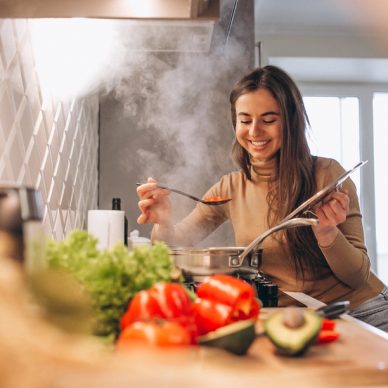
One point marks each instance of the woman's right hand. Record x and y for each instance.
(154, 204)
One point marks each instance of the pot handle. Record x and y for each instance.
(293, 223)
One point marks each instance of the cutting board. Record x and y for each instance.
(358, 358)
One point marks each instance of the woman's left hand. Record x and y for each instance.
(330, 214)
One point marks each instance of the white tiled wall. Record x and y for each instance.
(50, 145)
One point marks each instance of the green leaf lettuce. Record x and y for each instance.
(111, 277)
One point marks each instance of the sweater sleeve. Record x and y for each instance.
(347, 256)
(197, 225)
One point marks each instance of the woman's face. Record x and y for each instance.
(258, 124)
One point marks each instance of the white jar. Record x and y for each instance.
(134, 239)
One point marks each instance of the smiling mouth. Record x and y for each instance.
(259, 143)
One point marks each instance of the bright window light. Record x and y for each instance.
(334, 130)
(380, 129)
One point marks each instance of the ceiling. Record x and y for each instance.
(362, 21)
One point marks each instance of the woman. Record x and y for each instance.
(328, 261)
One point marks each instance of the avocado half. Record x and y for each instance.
(293, 341)
(235, 338)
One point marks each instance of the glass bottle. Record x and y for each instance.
(116, 205)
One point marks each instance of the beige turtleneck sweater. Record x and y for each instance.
(346, 275)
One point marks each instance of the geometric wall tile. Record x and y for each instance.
(7, 109)
(48, 144)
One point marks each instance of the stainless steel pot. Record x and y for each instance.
(209, 261)
(229, 260)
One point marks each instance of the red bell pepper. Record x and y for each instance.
(172, 298)
(224, 299)
(155, 332)
(228, 290)
(327, 333)
(326, 336)
(142, 307)
(210, 314)
(239, 315)
(169, 301)
(328, 324)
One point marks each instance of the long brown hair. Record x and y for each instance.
(296, 167)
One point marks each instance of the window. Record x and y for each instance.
(335, 130)
(348, 123)
(380, 147)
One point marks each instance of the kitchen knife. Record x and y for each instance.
(333, 310)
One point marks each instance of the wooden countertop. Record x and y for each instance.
(36, 354)
(358, 358)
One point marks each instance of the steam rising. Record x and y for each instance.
(77, 57)
(164, 113)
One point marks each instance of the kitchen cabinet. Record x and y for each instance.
(149, 9)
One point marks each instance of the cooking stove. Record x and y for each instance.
(266, 290)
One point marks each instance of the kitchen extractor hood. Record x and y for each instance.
(123, 9)
(168, 36)
(145, 25)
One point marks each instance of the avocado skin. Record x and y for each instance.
(311, 329)
(293, 352)
(235, 338)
